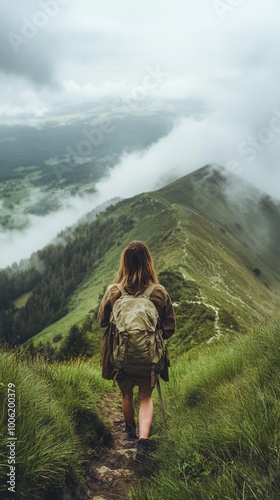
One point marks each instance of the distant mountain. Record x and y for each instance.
(215, 247)
(244, 211)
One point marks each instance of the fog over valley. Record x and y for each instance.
(105, 101)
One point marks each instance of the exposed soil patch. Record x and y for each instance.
(114, 473)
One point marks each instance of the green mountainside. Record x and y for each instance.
(214, 246)
(242, 210)
(215, 249)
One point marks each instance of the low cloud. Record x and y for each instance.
(20, 244)
(190, 145)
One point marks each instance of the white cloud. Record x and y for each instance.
(19, 244)
(92, 50)
(189, 146)
(102, 45)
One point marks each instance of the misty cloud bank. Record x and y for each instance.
(79, 52)
(16, 245)
(190, 145)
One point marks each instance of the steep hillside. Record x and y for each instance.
(222, 441)
(221, 275)
(239, 208)
(222, 401)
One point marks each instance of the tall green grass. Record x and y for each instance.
(58, 425)
(223, 435)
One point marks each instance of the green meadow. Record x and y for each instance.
(222, 439)
(59, 427)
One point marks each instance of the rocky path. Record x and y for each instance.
(113, 474)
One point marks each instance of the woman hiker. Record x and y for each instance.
(136, 273)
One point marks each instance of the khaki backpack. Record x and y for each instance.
(138, 347)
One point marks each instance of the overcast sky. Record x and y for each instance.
(221, 55)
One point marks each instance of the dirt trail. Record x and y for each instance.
(114, 473)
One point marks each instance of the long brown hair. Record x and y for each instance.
(136, 270)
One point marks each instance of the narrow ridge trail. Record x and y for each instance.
(115, 472)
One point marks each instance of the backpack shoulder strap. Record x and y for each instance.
(149, 290)
(121, 289)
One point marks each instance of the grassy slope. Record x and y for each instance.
(222, 440)
(223, 400)
(237, 207)
(58, 423)
(182, 238)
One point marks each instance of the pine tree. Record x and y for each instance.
(76, 344)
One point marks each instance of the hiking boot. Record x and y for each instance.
(142, 450)
(131, 431)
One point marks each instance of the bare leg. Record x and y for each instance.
(145, 409)
(128, 406)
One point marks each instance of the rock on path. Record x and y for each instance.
(113, 474)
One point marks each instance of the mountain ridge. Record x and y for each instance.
(217, 266)
(220, 195)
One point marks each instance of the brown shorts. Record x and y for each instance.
(127, 383)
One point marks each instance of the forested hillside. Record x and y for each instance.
(62, 267)
(206, 254)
